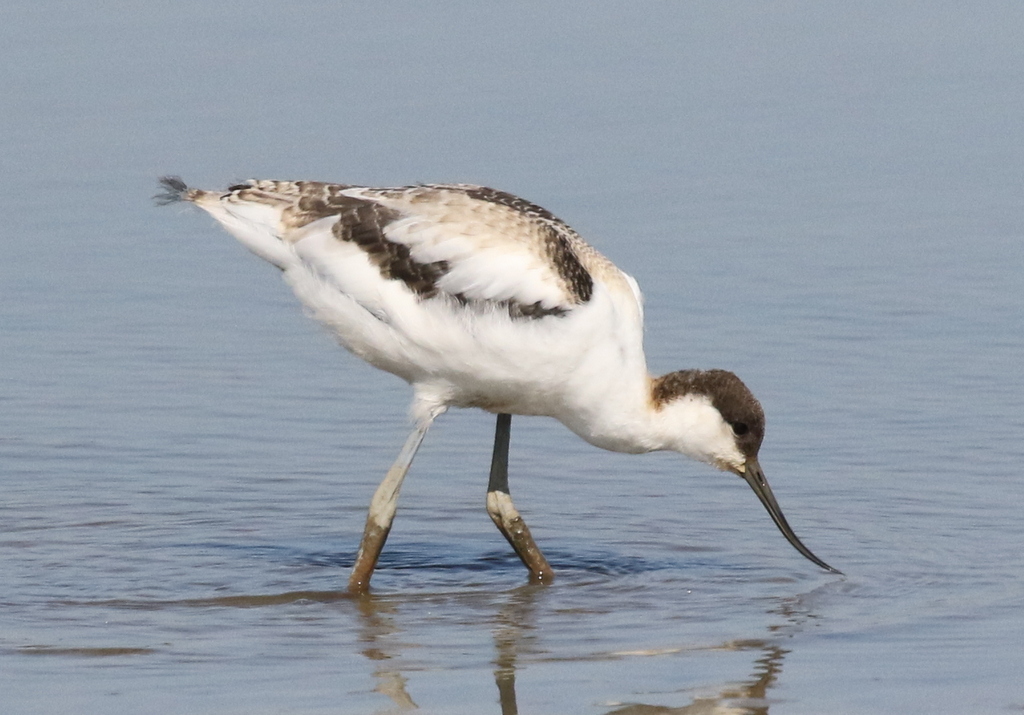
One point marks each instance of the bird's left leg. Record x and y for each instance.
(503, 512)
(382, 510)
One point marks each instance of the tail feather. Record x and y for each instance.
(173, 189)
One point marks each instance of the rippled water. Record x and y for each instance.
(825, 200)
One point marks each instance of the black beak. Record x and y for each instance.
(754, 476)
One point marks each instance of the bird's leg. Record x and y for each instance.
(503, 512)
(382, 511)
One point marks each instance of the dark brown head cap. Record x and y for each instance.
(737, 405)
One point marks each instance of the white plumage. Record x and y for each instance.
(478, 298)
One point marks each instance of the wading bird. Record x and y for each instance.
(478, 298)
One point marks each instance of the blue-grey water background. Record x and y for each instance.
(825, 198)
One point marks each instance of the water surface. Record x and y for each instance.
(825, 200)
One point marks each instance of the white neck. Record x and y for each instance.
(626, 418)
(620, 420)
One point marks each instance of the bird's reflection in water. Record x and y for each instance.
(516, 636)
(514, 633)
(744, 698)
(377, 624)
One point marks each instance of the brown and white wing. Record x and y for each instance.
(493, 247)
(477, 247)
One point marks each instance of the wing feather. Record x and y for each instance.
(469, 244)
(493, 248)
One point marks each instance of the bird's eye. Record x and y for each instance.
(740, 428)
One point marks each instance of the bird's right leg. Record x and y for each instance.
(382, 511)
(504, 513)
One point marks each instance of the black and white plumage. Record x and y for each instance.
(479, 298)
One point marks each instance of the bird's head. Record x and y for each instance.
(717, 420)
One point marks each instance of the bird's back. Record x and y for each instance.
(477, 297)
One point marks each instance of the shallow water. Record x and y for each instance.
(824, 200)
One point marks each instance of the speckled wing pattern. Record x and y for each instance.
(474, 245)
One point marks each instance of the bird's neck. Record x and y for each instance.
(618, 414)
